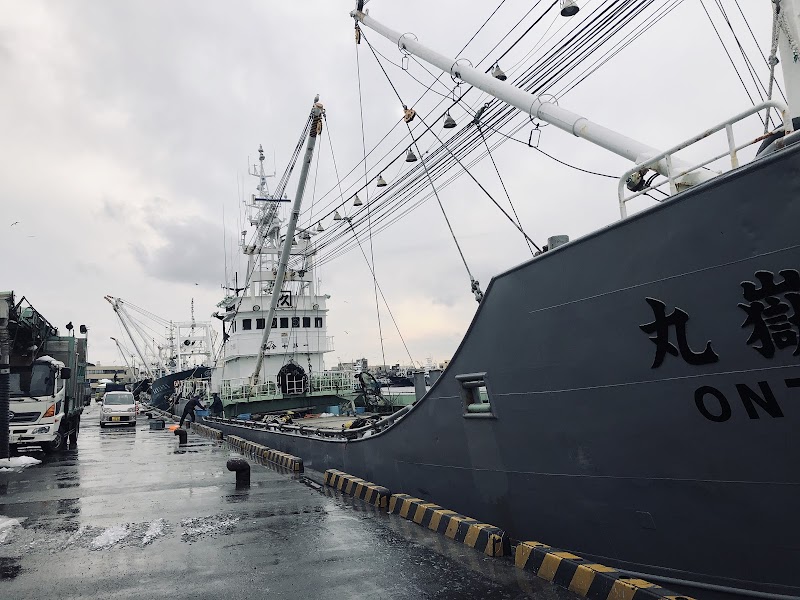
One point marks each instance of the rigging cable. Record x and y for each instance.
(733, 64)
(474, 283)
(748, 63)
(503, 183)
(447, 148)
(364, 254)
(366, 198)
(755, 41)
(457, 142)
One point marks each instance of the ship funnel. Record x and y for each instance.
(411, 157)
(381, 181)
(449, 122)
(569, 8)
(357, 201)
(498, 73)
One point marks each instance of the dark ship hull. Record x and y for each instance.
(164, 387)
(644, 397)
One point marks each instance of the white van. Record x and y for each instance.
(118, 408)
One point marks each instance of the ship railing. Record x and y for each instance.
(332, 381)
(307, 430)
(236, 390)
(673, 177)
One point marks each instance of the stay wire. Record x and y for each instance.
(503, 183)
(730, 58)
(748, 63)
(755, 41)
(447, 148)
(366, 196)
(422, 159)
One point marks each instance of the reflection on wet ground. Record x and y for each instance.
(131, 514)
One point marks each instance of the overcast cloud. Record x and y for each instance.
(127, 126)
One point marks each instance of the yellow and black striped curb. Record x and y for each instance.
(585, 578)
(214, 434)
(376, 495)
(293, 463)
(489, 539)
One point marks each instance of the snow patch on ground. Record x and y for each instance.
(155, 530)
(110, 536)
(7, 525)
(77, 535)
(210, 525)
(17, 463)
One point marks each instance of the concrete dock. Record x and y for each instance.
(131, 514)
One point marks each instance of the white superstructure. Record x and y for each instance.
(294, 351)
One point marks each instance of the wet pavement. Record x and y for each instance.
(130, 514)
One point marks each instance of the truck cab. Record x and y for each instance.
(37, 403)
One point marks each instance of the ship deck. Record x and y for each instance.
(131, 514)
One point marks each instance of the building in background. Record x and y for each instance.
(115, 373)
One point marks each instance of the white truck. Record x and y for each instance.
(47, 381)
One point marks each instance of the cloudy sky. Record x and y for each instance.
(126, 129)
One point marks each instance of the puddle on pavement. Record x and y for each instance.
(10, 567)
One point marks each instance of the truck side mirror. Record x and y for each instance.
(66, 372)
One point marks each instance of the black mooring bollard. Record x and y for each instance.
(149, 415)
(242, 469)
(181, 433)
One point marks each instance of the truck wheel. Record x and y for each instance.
(57, 445)
(73, 436)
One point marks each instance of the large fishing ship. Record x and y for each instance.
(640, 408)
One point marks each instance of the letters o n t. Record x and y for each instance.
(700, 400)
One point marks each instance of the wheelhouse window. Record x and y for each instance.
(261, 323)
(306, 321)
(247, 324)
(284, 322)
(274, 322)
(317, 321)
(295, 322)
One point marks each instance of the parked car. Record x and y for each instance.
(118, 408)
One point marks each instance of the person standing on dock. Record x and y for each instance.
(189, 408)
(216, 405)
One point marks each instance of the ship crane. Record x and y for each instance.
(314, 128)
(129, 323)
(124, 352)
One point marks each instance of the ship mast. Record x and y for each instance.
(548, 112)
(786, 16)
(314, 131)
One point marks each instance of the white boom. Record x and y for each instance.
(551, 113)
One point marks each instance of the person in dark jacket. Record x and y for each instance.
(216, 405)
(189, 408)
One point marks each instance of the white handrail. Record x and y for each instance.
(666, 156)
